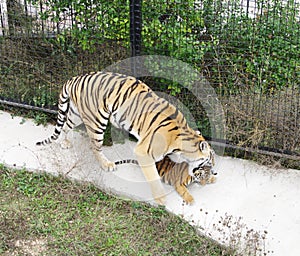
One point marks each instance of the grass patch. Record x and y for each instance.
(46, 215)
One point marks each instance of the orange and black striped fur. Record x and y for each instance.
(177, 175)
(129, 104)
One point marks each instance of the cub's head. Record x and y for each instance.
(204, 175)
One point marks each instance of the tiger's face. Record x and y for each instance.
(204, 173)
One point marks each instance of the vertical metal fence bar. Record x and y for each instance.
(135, 32)
(1, 20)
(42, 21)
(247, 8)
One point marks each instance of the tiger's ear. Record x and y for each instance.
(198, 132)
(204, 147)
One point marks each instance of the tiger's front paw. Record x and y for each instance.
(108, 166)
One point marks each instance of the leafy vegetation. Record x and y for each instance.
(46, 215)
(93, 22)
(233, 48)
(261, 52)
(238, 49)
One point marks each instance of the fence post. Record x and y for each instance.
(1, 21)
(135, 32)
(247, 12)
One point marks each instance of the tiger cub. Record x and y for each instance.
(131, 105)
(177, 175)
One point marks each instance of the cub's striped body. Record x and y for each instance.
(131, 105)
(177, 175)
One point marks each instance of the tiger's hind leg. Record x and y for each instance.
(73, 120)
(96, 126)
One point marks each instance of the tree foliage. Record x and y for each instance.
(259, 51)
(88, 21)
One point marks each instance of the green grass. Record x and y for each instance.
(46, 215)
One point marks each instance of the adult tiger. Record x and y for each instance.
(129, 104)
(177, 175)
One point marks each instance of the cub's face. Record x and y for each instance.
(204, 175)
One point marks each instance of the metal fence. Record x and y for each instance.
(248, 50)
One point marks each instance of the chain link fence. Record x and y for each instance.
(43, 43)
(248, 50)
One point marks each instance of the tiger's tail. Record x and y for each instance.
(127, 161)
(63, 108)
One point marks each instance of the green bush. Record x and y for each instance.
(259, 52)
(92, 22)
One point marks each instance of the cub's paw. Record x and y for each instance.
(188, 199)
(65, 144)
(212, 179)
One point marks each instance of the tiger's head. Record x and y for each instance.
(204, 173)
(206, 158)
(196, 151)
